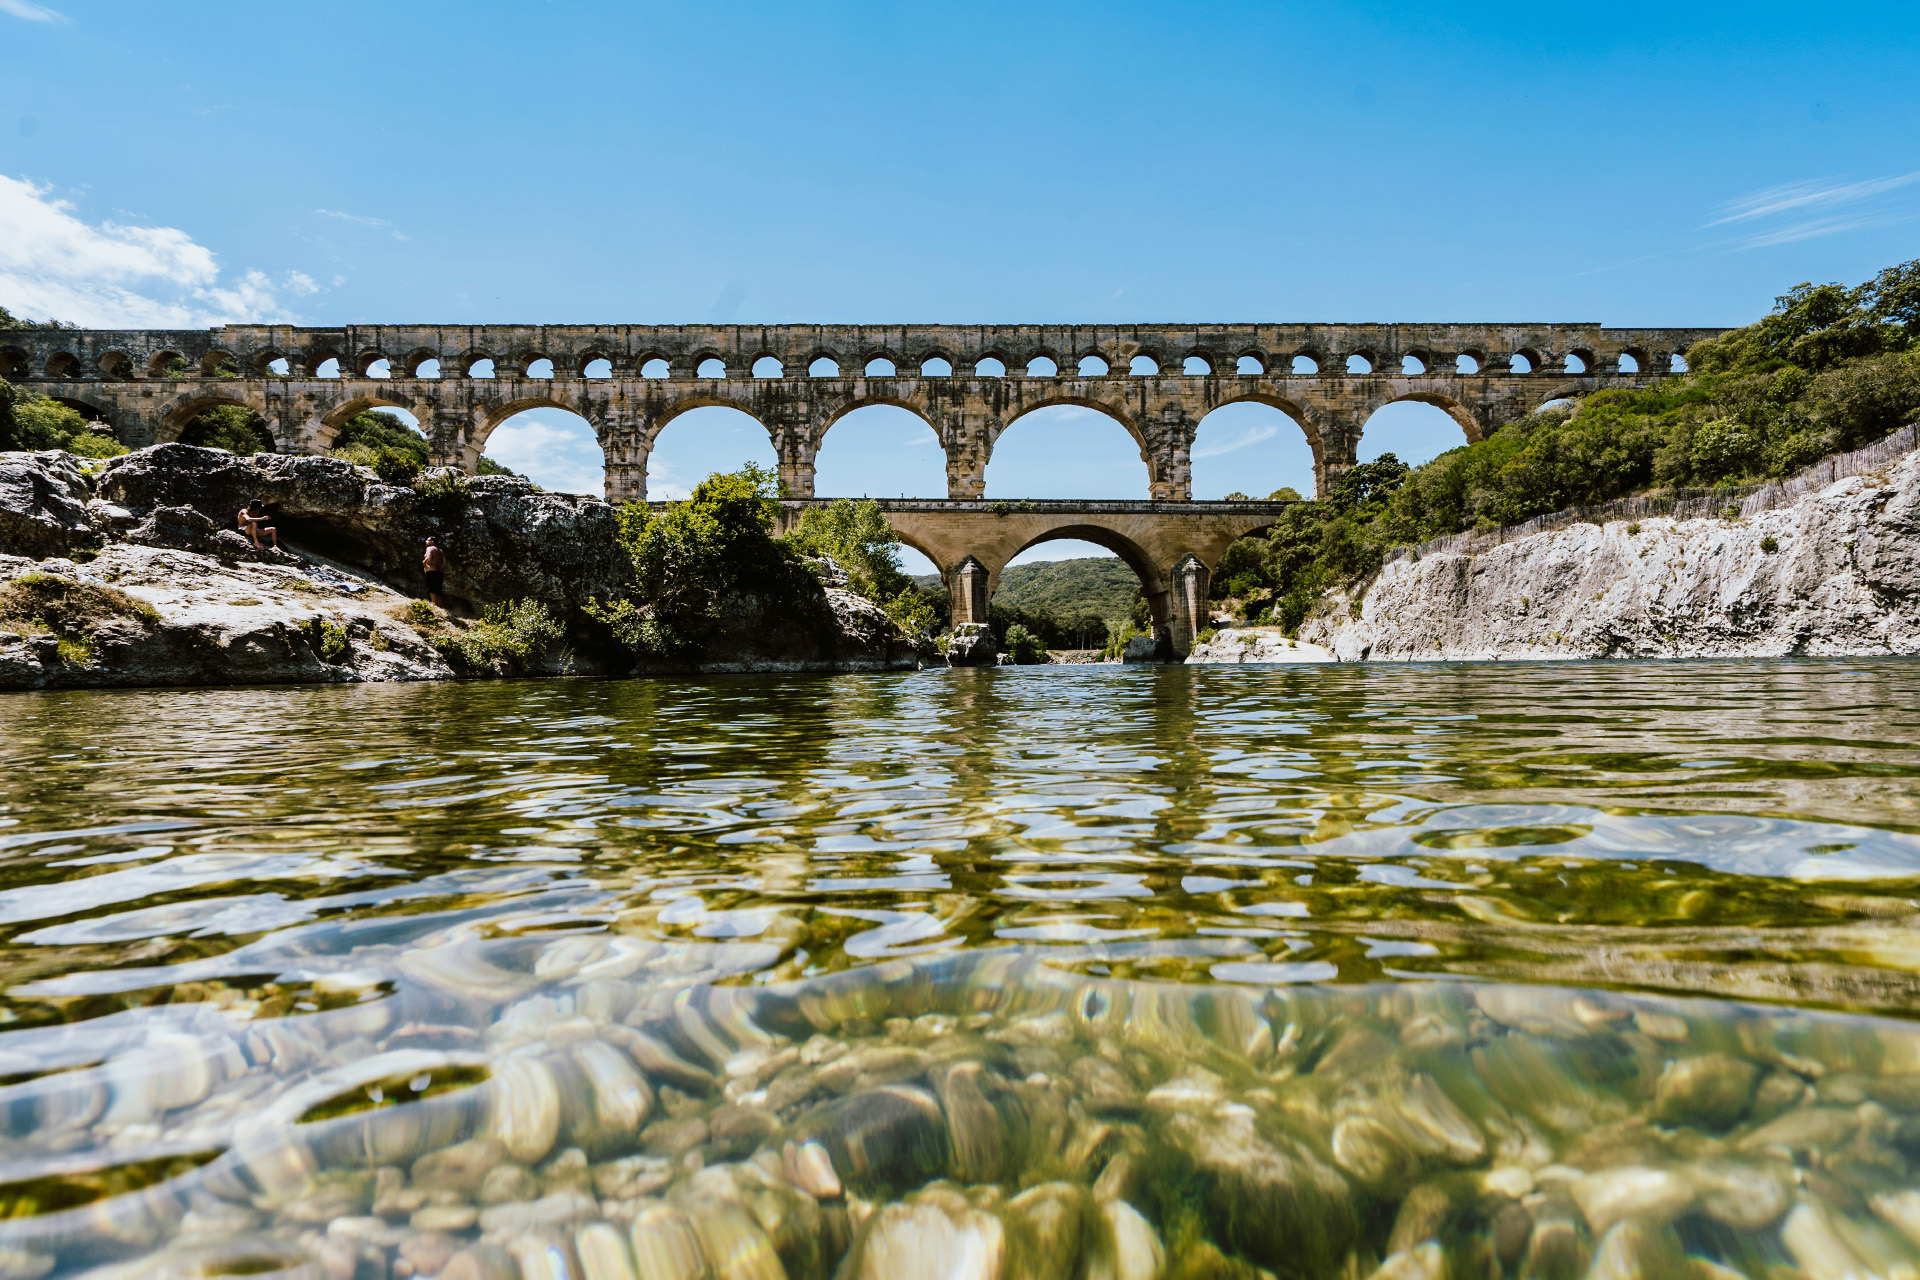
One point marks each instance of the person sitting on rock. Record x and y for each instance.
(253, 522)
(434, 565)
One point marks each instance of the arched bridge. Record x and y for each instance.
(967, 382)
(1171, 546)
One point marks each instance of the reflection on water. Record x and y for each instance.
(1536, 970)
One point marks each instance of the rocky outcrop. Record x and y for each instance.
(43, 504)
(1256, 644)
(204, 606)
(1836, 572)
(214, 622)
(505, 539)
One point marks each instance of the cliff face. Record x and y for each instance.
(1835, 573)
(138, 576)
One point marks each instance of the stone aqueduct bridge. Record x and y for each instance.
(969, 383)
(1171, 546)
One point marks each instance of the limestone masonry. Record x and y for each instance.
(969, 382)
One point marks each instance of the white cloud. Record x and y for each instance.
(1252, 435)
(31, 12)
(363, 220)
(556, 452)
(1812, 208)
(53, 265)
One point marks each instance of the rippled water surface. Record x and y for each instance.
(1530, 970)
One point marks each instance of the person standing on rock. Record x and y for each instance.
(434, 564)
(253, 522)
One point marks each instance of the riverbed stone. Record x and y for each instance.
(1709, 1091)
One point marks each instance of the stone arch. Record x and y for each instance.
(1421, 357)
(464, 362)
(87, 409)
(918, 361)
(63, 365)
(1531, 355)
(705, 354)
(1039, 353)
(890, 355)
(13, 362)
(260, 364)
(1259, 359)
(1048, 400)
(869, 401)
(1475, 430)
(409, 364)
(578, 365)
(1642, 361)
(118, 365)
(1153, 578)
(175, 417)
(161, 363)
(661, 418)
(1294, 411)
(1313, 356)
(335, 418)
(362, 364)
(499, 411)
(1586, 358)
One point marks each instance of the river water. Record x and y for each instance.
(1542, 970)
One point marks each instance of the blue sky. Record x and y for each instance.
(1632, 164)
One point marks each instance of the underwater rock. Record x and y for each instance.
(1710, 1091)
(525, 1110)
(1274, 1200)
(894, 1136)
(926, 1241)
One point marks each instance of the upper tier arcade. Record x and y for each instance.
(969, 382)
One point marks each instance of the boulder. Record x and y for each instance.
(43, 505)
(972, 646)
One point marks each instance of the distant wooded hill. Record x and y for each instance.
(1098, 585)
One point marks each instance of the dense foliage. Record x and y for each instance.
(232, 427)
(1830, 369)
(855, 535)
(694, 559)
(396, 452)
(32, 422)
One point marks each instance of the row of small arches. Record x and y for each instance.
(117, 365)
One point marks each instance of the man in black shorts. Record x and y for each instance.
(434, 564)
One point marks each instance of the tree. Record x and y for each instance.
(1023, 647)
(232, 427)
(855, 534)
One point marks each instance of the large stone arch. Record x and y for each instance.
(1472, 426)
(840, 409)
(333, 419)
(184, 409)
(660, 417)
(1073, 399)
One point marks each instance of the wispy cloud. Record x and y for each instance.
(1814, 207)
(360, 218)
(31, 12)
(1233, 444)
(54, 265)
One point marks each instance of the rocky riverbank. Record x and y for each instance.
(134, 575)
(1834, 573)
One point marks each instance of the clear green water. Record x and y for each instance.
(1501, 970)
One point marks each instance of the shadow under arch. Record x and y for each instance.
(92, 412)
(175, 419)
(1153, 583)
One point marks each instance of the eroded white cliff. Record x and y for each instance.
(1835, 573)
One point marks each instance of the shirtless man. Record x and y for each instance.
(253, 522)
(434, 564)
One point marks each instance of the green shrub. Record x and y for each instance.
(330, 641)
(421, 614)
(1769, 544)
(75, 651)
(1206, 636)
(232, 427)
(95, 444)
(378, 429)
(396, 466)
(1023, 647)
(855, 533)
(32, 422)
(509, 635)
(444, 493)
(689, 558)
